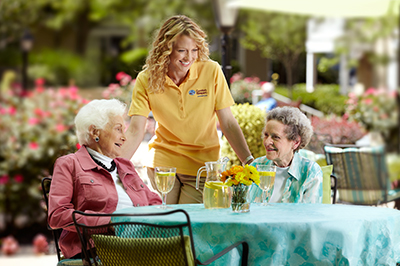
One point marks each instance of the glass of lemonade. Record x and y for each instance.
(267, 180)
(165, 180)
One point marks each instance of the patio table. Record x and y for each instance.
(293, 234)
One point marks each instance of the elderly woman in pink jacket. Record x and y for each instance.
(94, 179)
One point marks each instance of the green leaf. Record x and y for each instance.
(134, 55)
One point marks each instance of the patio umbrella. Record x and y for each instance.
(324, 8)
(330, 8)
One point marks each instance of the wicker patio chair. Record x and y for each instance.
(46, 182)
(142, 243)
(361, 173)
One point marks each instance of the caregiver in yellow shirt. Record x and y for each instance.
(184, 89)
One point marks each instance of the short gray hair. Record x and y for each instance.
(297, 124)
(98, 114)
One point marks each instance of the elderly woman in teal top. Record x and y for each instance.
(298, 180)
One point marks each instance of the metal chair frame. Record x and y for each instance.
(84, 232)
(333, 188)
(55, 232)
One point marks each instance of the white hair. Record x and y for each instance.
(268, 87)
(98, 114)
(297, 123)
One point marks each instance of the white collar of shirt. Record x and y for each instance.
(100, 157)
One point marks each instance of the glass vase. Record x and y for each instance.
(240, 198)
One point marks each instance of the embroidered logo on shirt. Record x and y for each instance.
(201, 93)
(192, 92)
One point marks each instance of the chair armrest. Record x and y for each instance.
(334, 187)
(245, 253)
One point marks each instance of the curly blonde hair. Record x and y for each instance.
(158, 59)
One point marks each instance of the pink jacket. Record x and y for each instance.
(80, 184)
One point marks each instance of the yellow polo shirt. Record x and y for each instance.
(186, 134)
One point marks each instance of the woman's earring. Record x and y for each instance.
(97, 139)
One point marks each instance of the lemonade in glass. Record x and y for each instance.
(267, 180)
(165, 180)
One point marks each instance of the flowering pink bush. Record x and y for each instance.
(375, 110)
(242, 88)
(35, 130)
(340, 129)
(40, 244)
(9, 246)
(121, 91)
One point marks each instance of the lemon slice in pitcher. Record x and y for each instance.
(214, 184)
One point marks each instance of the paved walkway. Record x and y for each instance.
(31, 260)
(25, 256)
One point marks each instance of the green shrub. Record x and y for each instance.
(58, 67)
(325, 98)
(251, 120)
(10, 57)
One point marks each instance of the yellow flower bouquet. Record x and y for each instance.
(240, 175)
(240, 179)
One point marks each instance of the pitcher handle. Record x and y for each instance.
(223, 159)
(201, 169)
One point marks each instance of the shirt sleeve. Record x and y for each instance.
(223, 94)
(60, 197)
(140, 100)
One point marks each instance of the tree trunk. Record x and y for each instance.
(289, 78)
(82, 27)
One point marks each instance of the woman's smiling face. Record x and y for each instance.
(184, 54)
(279, 149)
(112, 137)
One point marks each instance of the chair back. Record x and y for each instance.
(361, 173)
(46, 182)
(125, 242)
(328, 189)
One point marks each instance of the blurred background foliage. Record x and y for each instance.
(278, 37)
(325, 98)
(65, 42)
(35, 130)
(60, 67)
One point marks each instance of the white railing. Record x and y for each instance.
(309, 111)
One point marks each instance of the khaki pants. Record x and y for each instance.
(184, 190)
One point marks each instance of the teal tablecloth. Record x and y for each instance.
(295, 234)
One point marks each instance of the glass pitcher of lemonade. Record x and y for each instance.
(215, 193)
